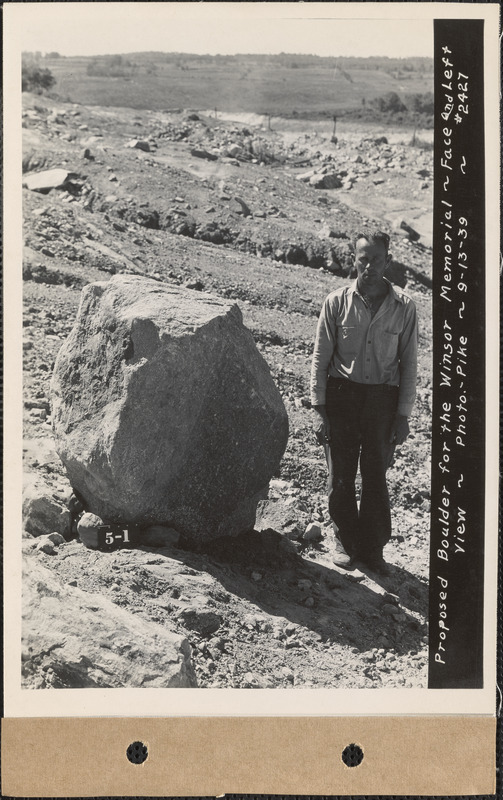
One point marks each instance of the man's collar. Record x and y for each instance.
(391, 290)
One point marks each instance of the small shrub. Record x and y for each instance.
(389, 102)
(35, 79)
(421, 103)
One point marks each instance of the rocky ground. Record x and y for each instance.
(264, 218)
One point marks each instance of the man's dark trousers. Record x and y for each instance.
(360, 419)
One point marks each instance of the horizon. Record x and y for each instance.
(288, 54)
(94, 29)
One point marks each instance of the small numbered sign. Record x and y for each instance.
(113, 536)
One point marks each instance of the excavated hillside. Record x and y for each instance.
(263, 218)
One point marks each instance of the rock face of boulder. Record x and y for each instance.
(77, 639)
(164, 411)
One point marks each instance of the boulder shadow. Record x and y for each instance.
(260, 567)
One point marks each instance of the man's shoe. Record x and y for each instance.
(344, 561)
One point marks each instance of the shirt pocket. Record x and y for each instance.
(389, 345)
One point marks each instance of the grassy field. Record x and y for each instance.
(247, 86)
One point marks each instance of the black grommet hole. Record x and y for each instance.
(137, 753)
(352, 755)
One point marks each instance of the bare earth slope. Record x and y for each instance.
(270, 609)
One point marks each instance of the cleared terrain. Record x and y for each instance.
(284, 85)
(286, 616)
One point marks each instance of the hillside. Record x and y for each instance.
(283, 85)
(242, 212)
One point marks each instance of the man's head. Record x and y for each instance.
(371, 258)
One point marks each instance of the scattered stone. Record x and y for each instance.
(309, 602)
(305, 177)
(39, 402)
(48, 179)
(46, 546)
(43, 513)
(55, 538)
(234, 150)
(198, 153)
(87, 529)
(403, 227)
(195, 285)
(39, 413)
(313, 532)
(331, 182)
(277, 514)
(288, 674)
(202, 621)
(139, 144)
(327, 232)
(252, 680)
(239, 207)
(257, 576)
(279, 485)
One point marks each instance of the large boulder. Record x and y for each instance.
(164, 411)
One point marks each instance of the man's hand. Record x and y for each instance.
(321, 425)
(399, 429)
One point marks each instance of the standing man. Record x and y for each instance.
(363, 386)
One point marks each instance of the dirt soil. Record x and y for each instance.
(285, 615)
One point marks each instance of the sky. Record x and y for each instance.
(226, 28)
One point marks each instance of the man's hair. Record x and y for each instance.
(373, 237)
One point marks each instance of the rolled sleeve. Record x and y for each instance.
(326, 334)
(407, 353)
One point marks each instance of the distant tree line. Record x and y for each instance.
(111, 67)
(292, 61)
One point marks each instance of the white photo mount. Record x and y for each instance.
(439, 740)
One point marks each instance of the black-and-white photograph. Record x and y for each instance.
(227, 343)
